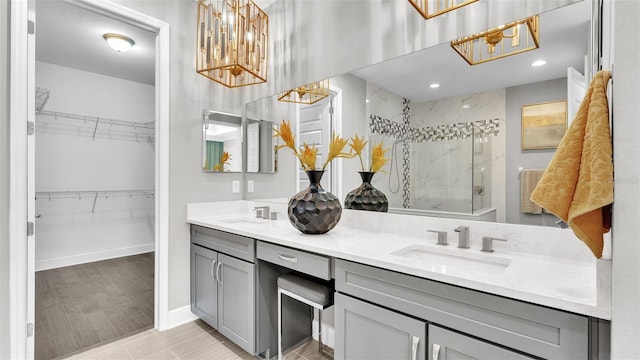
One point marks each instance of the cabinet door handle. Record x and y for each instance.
(414, 347)
(435, 351)
(219, 272)
(213, 264)
(289, 258)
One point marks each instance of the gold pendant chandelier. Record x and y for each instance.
(232, 38)
(490, 44)
(433, 8)
(307, 94)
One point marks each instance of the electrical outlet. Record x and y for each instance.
(249, 186)
(235, 186)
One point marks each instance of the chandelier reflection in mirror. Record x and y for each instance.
(307, 94)
(232, 42)
(524, 35)
(433, 8)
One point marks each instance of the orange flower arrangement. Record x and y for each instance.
(224, 159)
(377, 154)
(308, 154)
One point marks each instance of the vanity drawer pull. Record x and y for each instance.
(288, 258)
(312, 264)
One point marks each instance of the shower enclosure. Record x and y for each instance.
(448, 175)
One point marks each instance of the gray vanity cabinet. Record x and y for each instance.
(236, 294)
(204, 287)
(222, 285)
(449, 345)
(365, 331)
(485, 319)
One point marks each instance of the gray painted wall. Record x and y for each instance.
(299, 54)
(4, 181)
(518, 96)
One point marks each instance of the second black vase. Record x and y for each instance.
(314, 210)
(366, 197)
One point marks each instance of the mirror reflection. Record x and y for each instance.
(456, 146)
(221, 142)
(262, 115)
(261, 154)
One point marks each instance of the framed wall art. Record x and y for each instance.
(543, 125)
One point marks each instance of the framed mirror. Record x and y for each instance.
(222, 142)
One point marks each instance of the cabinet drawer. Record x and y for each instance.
(537, 330)
(449, 345)
(302, 261)
(237, 246)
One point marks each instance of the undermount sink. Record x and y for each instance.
(454, 260)
(244, 221)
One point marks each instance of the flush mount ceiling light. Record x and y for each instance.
(307, 94)
(490, 45)
(434, 85)
(433, 8)
(538, 63)
(119, 43)
(232, 39)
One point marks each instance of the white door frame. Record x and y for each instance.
(18, 200)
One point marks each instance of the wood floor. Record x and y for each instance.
(83, 306)
(194, 340)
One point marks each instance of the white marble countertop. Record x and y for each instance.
(560, 283)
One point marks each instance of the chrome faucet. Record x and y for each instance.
(262, 212)
(487, 243)
(442, 237)
(463, 236)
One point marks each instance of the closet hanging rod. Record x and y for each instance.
(95, 194)
(150, 125)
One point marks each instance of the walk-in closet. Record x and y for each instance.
(94, 180)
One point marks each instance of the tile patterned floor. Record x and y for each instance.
(82, 306)
(194, 340)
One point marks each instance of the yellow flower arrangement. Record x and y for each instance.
(377, 154)
(308, 154)
(224, 159)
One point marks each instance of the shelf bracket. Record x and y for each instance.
(93, 209)
(94, 130)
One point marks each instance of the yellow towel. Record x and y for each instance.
(529, 178)
(578, 183)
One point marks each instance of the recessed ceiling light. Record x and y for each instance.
(434, 85)
(538, 63)
(117, 42)
(367, 100)
(466, 106)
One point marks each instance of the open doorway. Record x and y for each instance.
(95, 180)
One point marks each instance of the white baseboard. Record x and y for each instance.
(328, 337)
(90, 257)
(180, 316)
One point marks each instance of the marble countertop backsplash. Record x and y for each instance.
(549, 266)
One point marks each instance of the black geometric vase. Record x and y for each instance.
(314, 210)
(366, 197)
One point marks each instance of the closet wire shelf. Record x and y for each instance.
(95, 194)
(42, 96)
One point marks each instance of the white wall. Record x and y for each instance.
(68, 158)
(625, 332)
(4, 181)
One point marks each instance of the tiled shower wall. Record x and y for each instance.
(435, 161)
